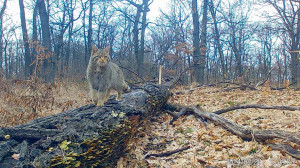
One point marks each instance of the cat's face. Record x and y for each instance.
(100, 57)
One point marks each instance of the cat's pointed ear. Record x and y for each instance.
(94, 50)
(107, 49)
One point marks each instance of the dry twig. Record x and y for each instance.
(168, 153)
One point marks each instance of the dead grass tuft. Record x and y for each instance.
(25, 100)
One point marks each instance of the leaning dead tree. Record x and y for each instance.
(88, 136)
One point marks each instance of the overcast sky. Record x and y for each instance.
(13, 11)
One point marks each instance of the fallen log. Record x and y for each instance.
(88, 136)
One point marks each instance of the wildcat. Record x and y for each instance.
(104, 76)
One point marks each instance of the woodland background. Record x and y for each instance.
(209, 41)
(228, 53)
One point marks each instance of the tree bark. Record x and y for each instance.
(28, 58)
(1, 32)
(90, 29)
(136, 37)
(196, 41)
(217, 37)
(294, 62)
(141, 56)
(86, 53)
(48, 63)
(97, 136)
(295, 58)
(203, 42)
(34, 39)
(236, 52)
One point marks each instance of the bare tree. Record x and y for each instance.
(213, 12)
(48, 64)
(28, 58)
(34, 30)
(203, 40)
(139, 8)
(237, 20)
(1, 31)
(140, 58)
(288, 11)
(86, 48)
(139, 45)
(90, 29)
(196, 42)
(171, 40)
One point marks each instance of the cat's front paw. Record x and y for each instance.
(119, 96)
(94, 102)
(100, 103)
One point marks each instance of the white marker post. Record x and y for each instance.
(159, 74)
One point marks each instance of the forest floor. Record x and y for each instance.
(210, 144)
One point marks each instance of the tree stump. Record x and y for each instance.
(88, 136)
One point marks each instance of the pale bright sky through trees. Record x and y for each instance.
(13, 11)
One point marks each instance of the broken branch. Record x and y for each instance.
(168, 153)
(249, 133)
(290, 108)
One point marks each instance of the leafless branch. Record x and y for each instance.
(291, 108)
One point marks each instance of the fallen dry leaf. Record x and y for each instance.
(15, 156)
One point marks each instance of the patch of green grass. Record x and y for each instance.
(252, 151)
(207, 143)
(184, 131)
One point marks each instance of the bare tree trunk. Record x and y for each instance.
(136, 37)
(67, 59)
(86, 56)
(142, 53)
(48, 64)
(294, 62)
(236, 52)
(5, 58)
(295, 56)
(292, 26)
(90, 31)
(28, 58)
(196, 41)
(1, 32)
(34, 36)
(217, 37)
(59, 42)
(203, 42)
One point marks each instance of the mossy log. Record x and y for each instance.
(88, 136)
